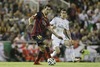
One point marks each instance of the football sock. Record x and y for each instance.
(48, 52)
(39, 57)
(45, 56)
(53, 54)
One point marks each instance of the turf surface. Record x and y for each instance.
(44, 64)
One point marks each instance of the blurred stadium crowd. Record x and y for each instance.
(84, 17)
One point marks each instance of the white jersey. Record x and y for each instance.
(59, 26)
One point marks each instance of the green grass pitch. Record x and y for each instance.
(44, 64)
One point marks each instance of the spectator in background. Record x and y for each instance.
(15, 55)
(7, 26)
(90, 11)
(3, 29)
(24, 20)
(6, 8)
(76, 35)
(25, 36)
(34, 49)
(18, 38)
(2, 12)
(69, 53)
(98, 32)
(10, 7)
(85, 54)
(28, 28)
(5, 36)
(26, 53)
(90, 24)
(15, 6)
(83, 17)
(27, 10)
(11, 36)
(71, 11)
(15, 28)
(93, 37)
(85, 41)
(98, 50)
(22, 27)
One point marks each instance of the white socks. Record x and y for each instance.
(53, 54)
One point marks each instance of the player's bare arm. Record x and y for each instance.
(31, 19)
(68, 34)
(53, 27)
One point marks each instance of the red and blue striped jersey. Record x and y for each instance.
(40, 26)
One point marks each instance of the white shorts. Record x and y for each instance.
(56, 43)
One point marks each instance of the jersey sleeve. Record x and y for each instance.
(46, 21)
(48, 24)
(53, 22)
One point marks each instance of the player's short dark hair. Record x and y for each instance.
(42, 7)
(39, 15)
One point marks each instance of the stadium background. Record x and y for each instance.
(14, 29)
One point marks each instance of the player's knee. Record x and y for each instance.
(41, 48)
(47, 42)
(57, 50)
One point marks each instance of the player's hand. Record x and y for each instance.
(30, 21)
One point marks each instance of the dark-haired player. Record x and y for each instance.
(41, 26)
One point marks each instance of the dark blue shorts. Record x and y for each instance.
(39, 39)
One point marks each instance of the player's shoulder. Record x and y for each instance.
(56, 18)
(34, 15)
(67, 20)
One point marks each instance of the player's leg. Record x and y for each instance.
(68, 44)
(56, 51)
(41, 52)
(47, 43)
(41, 48)
(56, 48)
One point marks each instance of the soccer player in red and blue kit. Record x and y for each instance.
(41, 26)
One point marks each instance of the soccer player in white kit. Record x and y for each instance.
(61, 26)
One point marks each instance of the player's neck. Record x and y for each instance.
(63, 18)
